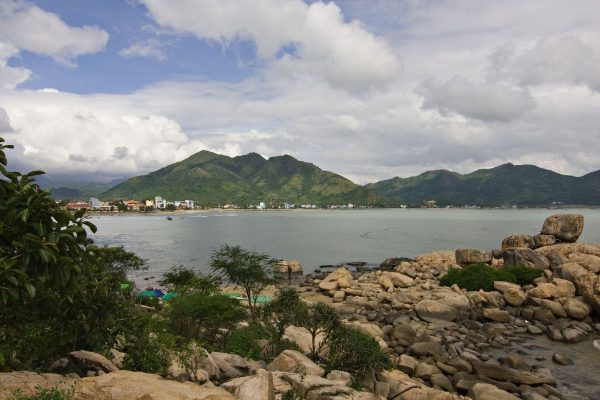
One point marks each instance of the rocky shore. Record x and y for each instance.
(446, 343)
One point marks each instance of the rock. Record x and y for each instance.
(117, 385)
(587, 261)
(117, 358)
(565, 227)
(576, 308)
(407, 364)
(573, 335)
(424, 370)
(372, 330)
(486, 391)
(543, 240)
(426, 348)
(255, 387)
(503, 286)
(340, 376)
(554, 306)
(544, 291)
(404, 334)
(288, 268)
(517, 241)
(441, 381)
(501, 373)
(514, 360)
(93, 360)
(561, 359)
(294, 361)
(525, 256)
(402, 387)
(565, 288)
(472, 256)
(544, 315)
(495, 314)
(515, 296)
(572, 271)
(431, 311)
(331, 281)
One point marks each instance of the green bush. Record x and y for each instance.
(148, 344)
(482, 276)
(523, 275)
(243, 342)
(475, 277)
(356, 352)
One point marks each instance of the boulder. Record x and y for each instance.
(544, 291)
(576, 308)
(402, 387)
(117, 385)
(562, 359)
(515, 296)
(472, 256)
(404, 334)
(331, 281)
(288, 269)
(565, 288)
(255, 387)
(543, 240)
(554, 306)
(340, 376)
(372, 330)
(587, 261)
(517, 241)
(495, 314)
(407, 364)
(294, 361)
(527, 257)
(400, 280)
(565, 227)
(503, 286)
(93, 360)
(302, 337)
(486, 391)
(432, 310)
(498, 372)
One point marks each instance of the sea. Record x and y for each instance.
(317, 237)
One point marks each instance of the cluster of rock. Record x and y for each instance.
(440, 337)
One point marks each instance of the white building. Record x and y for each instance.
(159, 202)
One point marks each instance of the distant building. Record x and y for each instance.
(77, 205)
(261, 206)
(430, 204)
(95, 203)
(149, 203)
(159, 202)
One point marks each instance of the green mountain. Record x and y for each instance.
(78, 190)
(504, 185)
(210, 179)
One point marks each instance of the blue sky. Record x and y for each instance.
(370, 89)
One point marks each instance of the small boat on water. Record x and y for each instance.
(169, 218)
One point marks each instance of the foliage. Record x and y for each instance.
(523, 275)
(250, 270)
(216, 316)
(243, 342)
(184, 280)
(475, 277)
(148, 345)
(320, 319)
(58, 291)
(190, 358)
(356, 352)
(285, 310)
(47, 394)
(292, 394)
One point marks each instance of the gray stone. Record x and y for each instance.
(543, 240)
(486, 391)
(561, 359)
(517, 241)
(527, 257)
(472, 256)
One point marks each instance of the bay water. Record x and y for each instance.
(317, 237)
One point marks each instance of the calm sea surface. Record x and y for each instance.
(318, 237)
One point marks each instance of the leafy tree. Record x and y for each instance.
(285, 310)
(184, 280)
(248, 269)
(320, 320)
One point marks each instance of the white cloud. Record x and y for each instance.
(10, 77)
(324, 45)
(150, 48)
(4, 121)
(484, 101)
(28, 27)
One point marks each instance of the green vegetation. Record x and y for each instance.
(212, 179)
(504, 185)
(482, 276)
(250, 270)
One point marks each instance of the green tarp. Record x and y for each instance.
(146, 293)
(170, 295)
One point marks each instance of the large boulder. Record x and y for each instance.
(432, 311)
(486, 391)
(526, 257)
(287, 269)
(117, 385)
(564, 227)
(543, 241)
(576, 308)
(294, 361)
(517, 241)
(402, 387)
(372, 330)
(500, 373)
(302, 337)
(472, 256)
(93, 360)
(255, 387)
(332, 281)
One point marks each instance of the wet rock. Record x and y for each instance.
(514, 360)
(562, 359)
(565, 227)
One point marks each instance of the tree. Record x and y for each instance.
(320, 320)
(285, 310)
(248, 269)
(184, 280)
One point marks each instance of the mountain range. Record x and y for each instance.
(213, 179)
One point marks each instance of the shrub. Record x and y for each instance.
(523, 275)
(46, 394)
(482, 276)
(147, 345)
(356, 352)
(475, 277)
(184, 280)
(243, 342)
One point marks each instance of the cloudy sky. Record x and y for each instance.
(370, 89)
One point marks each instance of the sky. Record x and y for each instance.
(369, 89)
